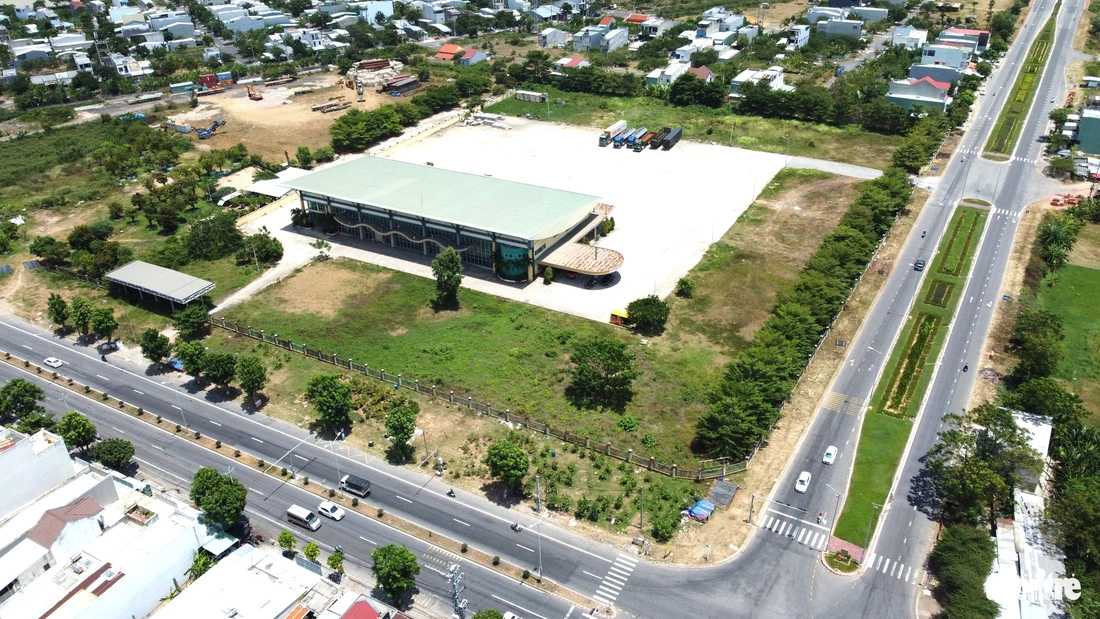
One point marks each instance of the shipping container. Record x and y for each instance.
(612, 132)
(209, 80)
(659, 138)
(672, 138)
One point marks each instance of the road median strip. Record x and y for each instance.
(897, 398)
(378, 514)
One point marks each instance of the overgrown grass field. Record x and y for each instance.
(1075, 296)
(1011, 121)
(845, 144)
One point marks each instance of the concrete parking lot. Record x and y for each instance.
(670, 206)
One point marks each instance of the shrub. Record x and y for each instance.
(685, 288)
(548, 276)
(355, 502)
(381, 512)
(198, 435)
(178, 428)
(649, 314)
(305, 481)
(217, 444)
(159, 419)
(283, 472)
(526, 574)
(464, 547)
(331, 492)
(236, 453)
(140, 411)
(628, 423)
(87, 389)
(104, 396)
(260, 463)
(496, 560)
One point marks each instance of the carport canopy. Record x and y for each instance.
(160, 282)
(584, 259)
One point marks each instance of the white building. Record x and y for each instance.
(909, 37)
(798, 36)
(369, 10)
(655, 26)
(841, 27)
(552, 37)
(667, 75)
(614, 40)
(128, 66)
(773, 76)
(818, 13)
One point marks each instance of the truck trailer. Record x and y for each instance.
(642, 142)
(612, 132)
(635, 136)
(659, 138)
(621, 138)
(672, 138)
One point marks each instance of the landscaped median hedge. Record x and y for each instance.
(747, 402)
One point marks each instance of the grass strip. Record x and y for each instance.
(1010, 123)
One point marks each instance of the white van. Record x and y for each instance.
(303, 517)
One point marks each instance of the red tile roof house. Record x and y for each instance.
(636, 19)
(472, 57)
(448, 52)
(607, 21)
(703, 73)
(924, 91)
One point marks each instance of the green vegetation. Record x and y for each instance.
(1011, 121)
(841, 561)
(113, 452)
(961, 562)
(221, 497)
(906, 376)
(848, 144)
(395, 569)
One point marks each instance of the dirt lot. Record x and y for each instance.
(279, 123)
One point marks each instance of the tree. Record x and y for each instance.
(19, 398)
(961, 562)
(401, 425)
(978, 460)
(322, 246)
(603, 374)
(104, 322)
(1037, 341)
(1047, 397)
(508, 462)
(220, 368)
(214, 237)
(77, 431)
(332, 399)
(649, 314)
(50, 250)
(201, 562)
(191, 356)
(80, 310)
(154, 346)
(57, 309)
(685, 288)
(490, 613)
(287, 541)
(35, 421)
(395, 569)
(305, 158)
(251, 375)
(191, 320)
(221, 497)
(113, 452)
(336, 562)
(447, 269)
(312, 551)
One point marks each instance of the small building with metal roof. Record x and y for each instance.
(173, 286)
(509, 227)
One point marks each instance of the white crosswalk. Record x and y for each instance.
(1003, 212)
(615, 579)
(893, 569)
(802, 534)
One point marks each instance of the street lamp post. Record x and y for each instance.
(180, 406)
(867, 538)
(836, 511)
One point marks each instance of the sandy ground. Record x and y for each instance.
(281, 121)
(662, 227)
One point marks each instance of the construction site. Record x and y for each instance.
(307, 106)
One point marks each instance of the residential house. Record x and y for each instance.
(552, 37)
(727, 21)
(25, 53)
(71, 42)
(938, 72)
(980, 38)
(97, 7)
(211, 53)
(925, 92)
(1088, 131)
(818, 13)
(655, 26)
(448, 52)
(369, 10)
(773, 76)
(1091, 81)
(60, 78)
(4, 36)
(798, 36)
(841, 27)
(948, 55)
(545, 13)
(431, 11)
(83, 62)
(607, 21)
(568, 63)
(749, 32)
(667, 75)
(589, 38)
(702, 73)
(614, 40)
(870, 14)
(706, 27)
(635, 19)
(684, 52)
(413, 32)
(726, 53)
(909, 37)
(128, 66)
(123, 14)
(472, 57)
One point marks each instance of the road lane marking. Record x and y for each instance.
(533, 614)
(570, 611)
(27, 347)
(256, 491)
(619, 571)
(176, 407)
(119, 431)
(158, 447)
(625, 559)
(369, 541)
(886, 566)
(615, 578)
(525, 548)
(611, 585)
(465, 524)
(402, 498)
(802, 534)
(302, 457)
(216, 423)
(591, 574)
(138, 392)
(598, 599)
(103, 377)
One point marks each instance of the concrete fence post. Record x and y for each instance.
(416, 383)
(433, 391)
(262, 339)
(351, 366)
(630, 455)
(674, 471)
(399, 380)
(383, 373)
(335, 359)
(651, 461)
(469, 401)
(607, 449)
(507, 414)
(586, 442)
(451, 397)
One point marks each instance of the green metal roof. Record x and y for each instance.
(481, 202)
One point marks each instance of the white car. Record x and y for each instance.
(53, 362)
(331, 510)
(803, 482)
(830, 455)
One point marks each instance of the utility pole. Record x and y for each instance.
(538, 507)
(867, 538)
(454, 577)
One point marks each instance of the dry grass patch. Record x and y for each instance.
(326, 290)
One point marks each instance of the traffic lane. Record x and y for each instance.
(561, 555)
